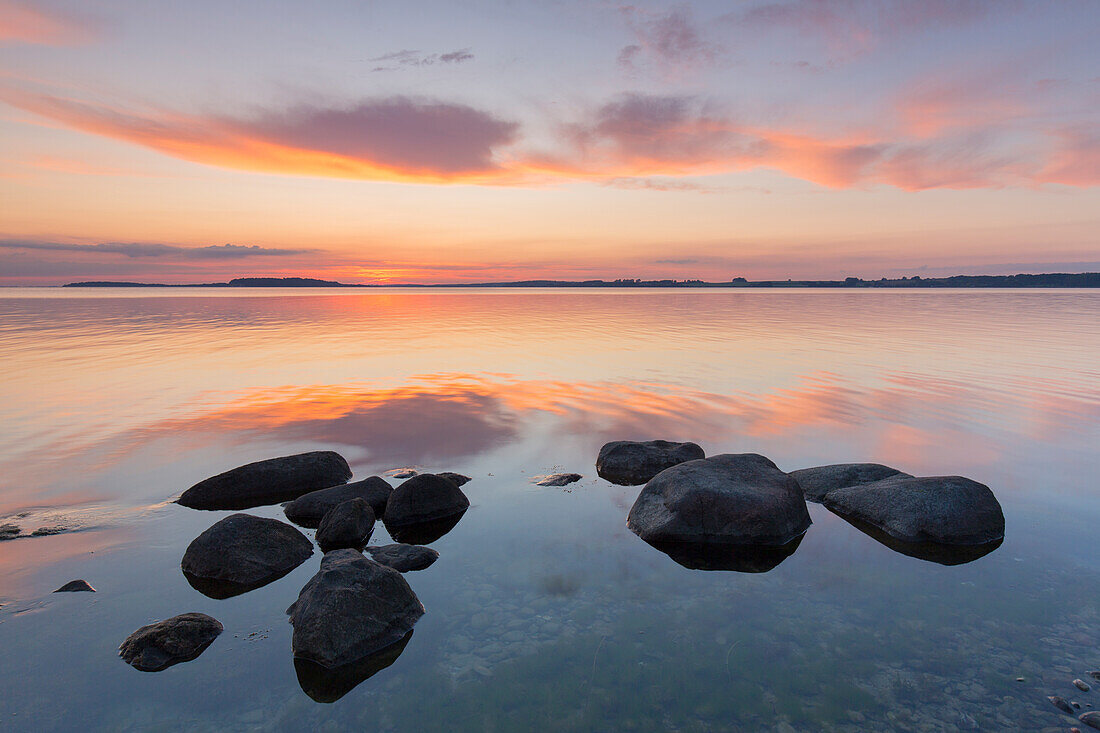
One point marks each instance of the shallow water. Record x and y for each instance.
(544, 611)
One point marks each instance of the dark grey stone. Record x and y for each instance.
(242, 552)
(1061, 704)
(178, 639)
(1082, 685)
(351, 609)
(9, 531)
(308, 509)
(347, 525)
(740, 499)
(47, 531)
(949, 510)
(268, 482)
(75, 586)
(456, 478)
(1091, 719)
(424, 498)
(402, 557)
(820, 480)
(630, 463)
(556, 479)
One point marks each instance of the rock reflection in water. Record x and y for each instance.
(930, 551)
(739, 558)
(424, 533)
(221, 589)
(323, 684)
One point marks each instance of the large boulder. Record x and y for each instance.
(402, 557)
(352, 608)
(820, 480)
(347, 525)
(424, 500)
(171, 641)
(630, 463)
(308, 509)
(948, 510)
(736, 499)
(242, 552)
(268, 482)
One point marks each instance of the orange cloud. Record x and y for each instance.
(24, 23)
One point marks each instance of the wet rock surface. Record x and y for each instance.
(76, 586)
(424, 498)
(347, 525)
(171, 641)
(949, 510)
(556, 479)
(243, 552)
(352, 608)
(9, 531)
(631, 463)
(1061, 704)
(308, 509)
(1082, 685)
(726, 499)
(403, 558)
(268, 482)
(47, 531)
(820, 480)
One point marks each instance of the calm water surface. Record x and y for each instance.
(544, 611)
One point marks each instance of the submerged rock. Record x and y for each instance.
(323, 684)
(308, 509)
(47, 531)
(820, 480)
(164, 643)
(243, 552)
(9, 531)
(948, 510)
(268, 482)
(556, 479)
(630, 463)
(737, 499)
(1061, 703)
(402, 557)
(456, 478)
(352, 608)
(1094, 673)
(75, 586)
(1082, 685)
(1091, 719)
(424, 499)
(347, 525)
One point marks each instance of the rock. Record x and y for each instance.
(1061, 703)
(243, 552)
(75, 586)
(9, 531)
(352, 608)
(46, 531)
(929, 551)
(1092, 719)
(268, 482)
(347, 525)
(308, 509)
(423, 500)
(402, 472)
(456, 478)
(1094, 673)
(630, 463)
(738, 499)
(948, 510)
(556, 479)
(402, 557)
(1081, 685)
(820, 480)
(329, 685)
(178, 639)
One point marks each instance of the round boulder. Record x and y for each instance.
(949, 510)
(268, 482)
(243, 552)
(171, 641)
(820, 480)
(346, 526)
(422, 499)
(402, 557)
(630, 463)
(308, 509)
(352, 608)
(740, 499)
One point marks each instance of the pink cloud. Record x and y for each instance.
(25, 23)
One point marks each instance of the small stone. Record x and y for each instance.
(178, 639)
(556, 479)
(9, 531)
(1094, 673)
(456, 478)
(1060, 703)
(402, 472)
(1081, 685)
(402, 557)
(1019, 679)
(74, 586)
(1091, 719)
(45, 531)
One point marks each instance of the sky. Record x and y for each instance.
(390, 142)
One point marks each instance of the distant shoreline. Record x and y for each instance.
(1049, 280)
